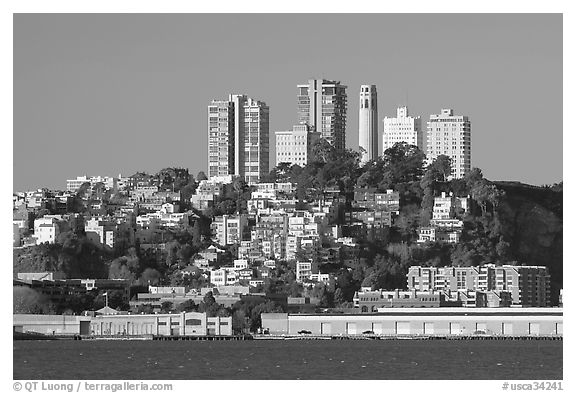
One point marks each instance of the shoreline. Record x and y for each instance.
(268, 337)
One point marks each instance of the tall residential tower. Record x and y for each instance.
(238, 138)
(403, 128)
(368, 123)
(450, 135)
(322, 105)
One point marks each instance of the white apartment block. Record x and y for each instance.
(447, 205)
(74, 184)
(224, 276)
(101, 231)
(238, 132)
(295, 147)
(303, 270)
(450, 135)
(46, 229)
(403, 128)
(439, 234)
(368, 123)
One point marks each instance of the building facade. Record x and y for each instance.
(322, 105)
(423, 321)
(230, 229)
(238, 133)
(529, 286)
(402, 128)
(295, 147)
(221, 140)
(368, 123)
(450, 135)
(183, 324)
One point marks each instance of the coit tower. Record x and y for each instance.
(368, 123)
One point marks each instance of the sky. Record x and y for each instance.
(110, 94)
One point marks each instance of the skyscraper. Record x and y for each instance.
(450, 135)
(322, 105)
(402, 128)
(221, 138)
(238, 138)
(368, 123)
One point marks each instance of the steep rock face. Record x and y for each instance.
(531, 221)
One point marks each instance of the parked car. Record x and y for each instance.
(368, 332)
(304, 332)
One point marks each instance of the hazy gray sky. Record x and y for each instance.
(103, 94)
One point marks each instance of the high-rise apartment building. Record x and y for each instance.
(368, 123)
(403, 128)
(220, 138)
(295, 146)
(450, 135)
(322, 105)
(238, 138)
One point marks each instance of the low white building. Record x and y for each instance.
(46, 229)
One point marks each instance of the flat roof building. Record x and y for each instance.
(450, 135)
(403, 128)
(322, 105)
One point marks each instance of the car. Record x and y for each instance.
(304, 332)
(368, 332)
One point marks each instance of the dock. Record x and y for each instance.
(406, 337)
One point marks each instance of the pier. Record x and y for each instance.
(406, 337)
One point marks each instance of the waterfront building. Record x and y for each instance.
(238, 132)
(295, 147)
(450, 135)
(368, 123)
(322, 105)
(448, 321)
(182, 324)
(403, 128)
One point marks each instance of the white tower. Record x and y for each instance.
(368, 123)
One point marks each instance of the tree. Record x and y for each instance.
(442, 166)
(145, 309)
(339, 297)
(150, 277)
(187, 306)
(166, 306)
(209, 299)
(201, 176)
(255, 315)
(28, 301)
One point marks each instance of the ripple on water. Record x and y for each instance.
(34, 360)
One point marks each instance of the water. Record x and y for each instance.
(354, 359)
